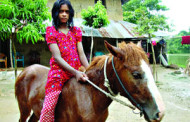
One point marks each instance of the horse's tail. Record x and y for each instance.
(18, 84)
(23, 81)
(21, 93)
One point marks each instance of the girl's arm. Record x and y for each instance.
(82, 56)
(57, 55)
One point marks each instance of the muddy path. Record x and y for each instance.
(174, 88)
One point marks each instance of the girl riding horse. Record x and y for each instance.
(64, 41)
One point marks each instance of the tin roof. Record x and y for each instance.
(116, 29)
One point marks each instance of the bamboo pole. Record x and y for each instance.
(15, 62)
(92, 44)
(117, 42)
(154, 59)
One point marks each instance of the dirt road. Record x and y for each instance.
(174, 88)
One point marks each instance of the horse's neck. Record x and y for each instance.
(97, 77)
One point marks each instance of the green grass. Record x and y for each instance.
(179, 65)
(178, 59)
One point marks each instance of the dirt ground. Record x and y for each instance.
(174, 88)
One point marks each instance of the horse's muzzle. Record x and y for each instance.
(157, 117)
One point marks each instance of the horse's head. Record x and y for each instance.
(133, 69)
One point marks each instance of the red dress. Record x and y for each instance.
(67, 44)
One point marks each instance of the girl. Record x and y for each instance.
(64, 41)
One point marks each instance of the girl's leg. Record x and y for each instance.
(47, 113)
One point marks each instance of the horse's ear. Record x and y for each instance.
(114, 50)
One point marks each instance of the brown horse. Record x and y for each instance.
(81, 102)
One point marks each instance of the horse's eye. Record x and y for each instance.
(125, 66)
(137, 75)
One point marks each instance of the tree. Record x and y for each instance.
(22, 20)
(95, 17)
(146, 15)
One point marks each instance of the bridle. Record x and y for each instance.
(125, 90)
(111, 93)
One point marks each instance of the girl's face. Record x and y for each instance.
(64, 13)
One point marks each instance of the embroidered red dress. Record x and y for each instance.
(67, 44)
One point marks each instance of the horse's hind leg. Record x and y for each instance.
(33, 118)
(24, 111)
(24, 116)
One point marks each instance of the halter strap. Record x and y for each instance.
(130, 97)
(106, 83)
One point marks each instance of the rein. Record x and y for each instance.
(110, 96)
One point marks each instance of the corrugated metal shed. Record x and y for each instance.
(116, 29)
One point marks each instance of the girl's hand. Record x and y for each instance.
(81, 76)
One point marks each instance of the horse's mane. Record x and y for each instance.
(98, 62)
(133, 55)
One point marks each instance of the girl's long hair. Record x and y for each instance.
(55, 13)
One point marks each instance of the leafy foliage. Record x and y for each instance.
(6, 27)
(145, 13)
(23, 17)
(95, 16)
(174, 45)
